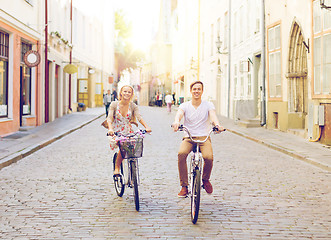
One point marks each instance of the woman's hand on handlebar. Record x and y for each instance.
(148, 130)
(110, 132)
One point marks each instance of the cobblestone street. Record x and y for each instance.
(66, 191)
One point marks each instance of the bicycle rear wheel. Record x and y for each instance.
(118, 181)
(135, 183)
(195, 196)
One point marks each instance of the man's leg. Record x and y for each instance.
(106, 106)
(184, 149)
(207, 154)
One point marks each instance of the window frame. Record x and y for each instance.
(4, 57)
(274, 52)
(321, 33)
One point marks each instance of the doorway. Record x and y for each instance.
(297, 79)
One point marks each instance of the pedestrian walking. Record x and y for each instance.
(160, 100)
(157, 98)
(121, 115)
(168, 99)
(114, 95)
(107, 101)
(197, 117)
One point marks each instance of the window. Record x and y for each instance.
(249, 81)
(226, 30)
(203, 46)
(274, 54)
(211, 40)
(25, 81)
(235, 81)
(4, 53)
(322, 50)
(241, 19)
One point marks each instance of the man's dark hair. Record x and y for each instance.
(196, 82)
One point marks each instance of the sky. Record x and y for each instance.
(142, 13)
(144, 16)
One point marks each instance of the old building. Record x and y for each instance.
(20, 78)
(299, 86)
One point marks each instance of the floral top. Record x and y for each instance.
(121, 124)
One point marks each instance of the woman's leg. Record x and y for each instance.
(118, 163)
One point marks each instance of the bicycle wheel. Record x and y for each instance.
(135, 184)
(195, 196)
(118, 181)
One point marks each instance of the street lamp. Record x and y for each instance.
(219, 45)
(322, 3)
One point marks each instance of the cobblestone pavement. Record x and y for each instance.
(65, 191)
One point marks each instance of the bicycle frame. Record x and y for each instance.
(195, 185)
(195, 164)
(127, 171)
(130, 172)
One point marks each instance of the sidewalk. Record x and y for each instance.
(21, 144)
(295, 146)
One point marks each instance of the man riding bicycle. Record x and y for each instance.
(197, 115)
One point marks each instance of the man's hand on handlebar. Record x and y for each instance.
(175, 126)
(219, 128)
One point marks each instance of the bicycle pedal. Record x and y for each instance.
(117, 177)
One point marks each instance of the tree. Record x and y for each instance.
(127, 56)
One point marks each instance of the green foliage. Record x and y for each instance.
(127, 56)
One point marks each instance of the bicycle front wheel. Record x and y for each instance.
(118, 181)
(135, 183)
(195, 196)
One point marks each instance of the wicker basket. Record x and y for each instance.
(131, 147)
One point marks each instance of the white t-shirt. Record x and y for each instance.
(197, 120)
(168, 98)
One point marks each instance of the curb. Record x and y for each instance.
(15, 157)
(283, 150)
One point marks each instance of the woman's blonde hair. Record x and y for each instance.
(120, 94)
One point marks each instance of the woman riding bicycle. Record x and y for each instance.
(121, 115)
(197, 114)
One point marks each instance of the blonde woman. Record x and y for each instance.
(121, 115)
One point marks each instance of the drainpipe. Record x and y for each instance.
(70, 58)
(198, 67)
(263, 54)
(46, 66)
(229, 61)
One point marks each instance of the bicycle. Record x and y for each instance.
(131, 148)
(194, 188)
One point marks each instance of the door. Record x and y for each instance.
(83, 91)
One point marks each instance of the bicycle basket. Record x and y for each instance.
(131, 147)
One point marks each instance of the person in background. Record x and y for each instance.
(114, 95)
(157, 99)
(160, 100)
(168, 99)
(107, 101)
(174, 98)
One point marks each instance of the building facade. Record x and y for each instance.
(40, 91)
(299, 85)
(20, 83)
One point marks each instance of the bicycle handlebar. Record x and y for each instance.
(183, 128)
(130, 134)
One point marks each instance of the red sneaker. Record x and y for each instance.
(207, 186)
(183, 192)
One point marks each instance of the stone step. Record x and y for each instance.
(26, 128)
(298, 132)
(249, 123)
